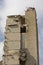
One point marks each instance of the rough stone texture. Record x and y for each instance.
(12, 29)
(12, 36)
(13, 45)
(11, 59)
(13, 39)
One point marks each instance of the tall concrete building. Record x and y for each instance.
(21, 39)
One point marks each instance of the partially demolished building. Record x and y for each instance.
(21, 39)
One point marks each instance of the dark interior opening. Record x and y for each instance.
(23, 29)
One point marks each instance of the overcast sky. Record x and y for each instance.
(12, 7)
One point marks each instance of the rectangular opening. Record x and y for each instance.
(23, 29)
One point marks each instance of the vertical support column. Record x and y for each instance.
(31, 37)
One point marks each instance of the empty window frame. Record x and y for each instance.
(23, 29)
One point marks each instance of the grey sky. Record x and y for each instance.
(2, 4)
(8, 7)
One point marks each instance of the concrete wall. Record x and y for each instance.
(31, 40)
(12, 42)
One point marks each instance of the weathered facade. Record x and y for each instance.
(21, 39)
